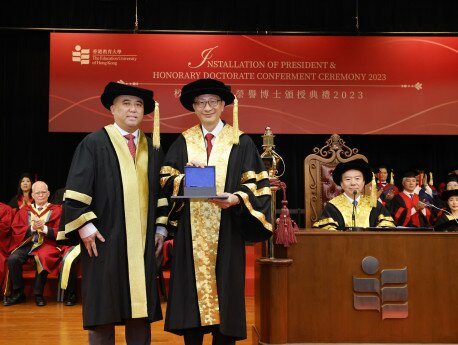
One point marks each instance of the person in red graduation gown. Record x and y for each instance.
(407, 208)
(6, 218)
(34, 231)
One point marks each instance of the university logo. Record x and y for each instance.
(81, 55)
(386, 292)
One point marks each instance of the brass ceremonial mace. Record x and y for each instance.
(271, 160)
(271, 283)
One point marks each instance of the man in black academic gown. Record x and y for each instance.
(110, 207)
(208, 266)
(352, 208)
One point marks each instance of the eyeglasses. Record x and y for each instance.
(213, 103)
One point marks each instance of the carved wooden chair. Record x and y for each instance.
(318, 168)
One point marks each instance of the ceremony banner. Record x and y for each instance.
(294, 84)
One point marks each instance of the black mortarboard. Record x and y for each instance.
(113, 90)
(202, 87)
(357, 164)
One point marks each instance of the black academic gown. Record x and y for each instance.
(337, 214)
(95, 173)
(445, 222)
(238, 224)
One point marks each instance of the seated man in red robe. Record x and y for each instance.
(6, 217)
(34, 231)
(406, 207)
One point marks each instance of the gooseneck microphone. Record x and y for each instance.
(427, 204)
(353, 215)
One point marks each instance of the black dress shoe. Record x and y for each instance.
(70, 300)
(40, 301)
(16, 298)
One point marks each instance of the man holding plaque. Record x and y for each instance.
(208, 267)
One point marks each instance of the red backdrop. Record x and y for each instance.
(298, 84)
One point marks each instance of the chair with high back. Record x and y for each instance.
(318, 168)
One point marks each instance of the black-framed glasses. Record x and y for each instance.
(213, 103)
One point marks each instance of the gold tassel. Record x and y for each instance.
(156, 132)
(391, 177)
(373, 201)
(431, 181)
(235, 121)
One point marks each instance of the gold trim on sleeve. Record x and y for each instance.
(79, 222)
(168, 170)
(258, 192)
(61, 236)
(162, 202)
(330, 224)
(162, 220)
(252, 175)
(81, 197)
(258, 215)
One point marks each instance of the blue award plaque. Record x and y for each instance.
(200, 183)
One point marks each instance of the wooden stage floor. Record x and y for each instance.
(57, 324)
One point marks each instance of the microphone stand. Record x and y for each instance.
(353, 215)
(427, 204)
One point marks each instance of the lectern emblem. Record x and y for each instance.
(387, 293)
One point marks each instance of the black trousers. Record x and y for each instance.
(137, 332)
(195, 336)
(15, 262)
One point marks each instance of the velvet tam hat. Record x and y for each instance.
(357, 164)
(202, 87)
(113, 90)
(451, 178)
(446, 194)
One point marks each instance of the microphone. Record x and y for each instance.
(427, 204)
(353, 215)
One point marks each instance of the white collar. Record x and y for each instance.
(216, 130)
(123, 132)
(351, 199)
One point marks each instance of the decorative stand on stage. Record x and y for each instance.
(271, 271)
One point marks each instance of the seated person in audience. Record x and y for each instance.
(338, 212)
(6, 217)
(24, 193)
(385, 191)
(34, 231)
(448, 217)
(450, 183)
(406, 207)
(424, 188)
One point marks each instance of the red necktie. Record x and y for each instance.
(208, 138)
(131, 144)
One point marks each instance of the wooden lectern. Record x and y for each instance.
(310, 295)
